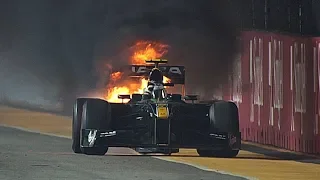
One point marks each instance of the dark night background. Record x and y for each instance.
(49, 49)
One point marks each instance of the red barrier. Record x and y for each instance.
(276, 85)
(316, 91)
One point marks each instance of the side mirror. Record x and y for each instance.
(191, 98)
(136, 97)
(124, 96)
(168, 84)
(175, 97)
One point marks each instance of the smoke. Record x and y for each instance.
(53, 47)
(202, 36)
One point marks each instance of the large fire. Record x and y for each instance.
(142, 51)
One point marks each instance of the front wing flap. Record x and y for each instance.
(124, 138)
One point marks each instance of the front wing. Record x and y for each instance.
(126, 138)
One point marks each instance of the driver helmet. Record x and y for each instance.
(156, 75)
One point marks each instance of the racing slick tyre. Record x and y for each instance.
(225, 119)
(96, 115)
(227, 153)
(76, 124)
(168, 152)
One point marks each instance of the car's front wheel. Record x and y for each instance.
(224, 118)
(227, 153)
(76, 124)
(95, 116)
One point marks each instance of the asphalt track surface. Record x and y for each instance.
(254, 161)
(29, 156)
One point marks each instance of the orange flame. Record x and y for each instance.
(146, 50)
(143, 50)
(113, 92)
(115, 76)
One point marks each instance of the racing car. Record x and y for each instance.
(156, 121)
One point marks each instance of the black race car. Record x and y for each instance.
(156, 121)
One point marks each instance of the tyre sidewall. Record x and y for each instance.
(96, 115)
(76, 124)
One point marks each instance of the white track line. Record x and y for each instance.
(136, 153)
(35, 131)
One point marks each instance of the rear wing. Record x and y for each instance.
(157, 61)
(175, 73)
